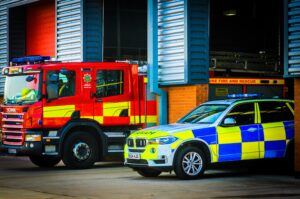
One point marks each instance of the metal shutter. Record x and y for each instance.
(69, 30)
(171, 44)
(292, 38)
(183, 41)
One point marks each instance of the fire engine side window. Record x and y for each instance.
(66, 83)
(110, 83)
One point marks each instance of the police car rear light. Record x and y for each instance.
(30, 59)
(235, 96)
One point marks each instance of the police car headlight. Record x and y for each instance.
(163, 140)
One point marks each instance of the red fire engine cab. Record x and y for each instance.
(79, 113)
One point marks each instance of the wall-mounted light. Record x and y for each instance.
(229, 13)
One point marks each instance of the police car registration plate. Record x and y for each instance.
(135, 156)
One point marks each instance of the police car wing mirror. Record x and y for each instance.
(229, 122)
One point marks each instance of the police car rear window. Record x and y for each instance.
(275, 112)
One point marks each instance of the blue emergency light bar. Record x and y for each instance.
(236, 96)
(30, 59)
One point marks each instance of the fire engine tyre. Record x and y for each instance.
(80, 150)
(45, 161)
(190, 163)
(149, 173)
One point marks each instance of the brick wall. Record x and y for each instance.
(182, 99)
(297, 125)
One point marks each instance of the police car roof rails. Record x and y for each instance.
(243, 96)
(29, 60)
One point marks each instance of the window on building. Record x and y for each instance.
(275, 112)
(110, 83)
(243, 114)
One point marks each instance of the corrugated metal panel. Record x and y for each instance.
(292, 42)
(4, 37)
(183, 41)
(171, 41)
(92, 35)
(198, 48)
(69, 30)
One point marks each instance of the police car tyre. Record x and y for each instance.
(80, 150)
(190, 163)
(148, 172)
(45, 161)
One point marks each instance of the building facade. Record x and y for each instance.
(183, 41)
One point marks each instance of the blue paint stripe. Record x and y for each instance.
(261, 133)
(289, 129)
(207, 134)
(274, 154)
(249, 136)
(275, 145)
(225, 149)
(232, 157)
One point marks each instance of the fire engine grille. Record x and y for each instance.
(137, 142)
(12, 125)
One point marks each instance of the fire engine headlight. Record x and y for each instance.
(163, 140)
(33, 138)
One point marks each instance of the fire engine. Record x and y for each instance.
(79, 113)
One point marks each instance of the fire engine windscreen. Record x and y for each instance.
(21, 89)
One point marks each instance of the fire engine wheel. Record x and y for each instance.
(190, 163)
(150, 173)
(80, 150)
(45, 161)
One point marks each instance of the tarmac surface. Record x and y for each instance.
(19, 178)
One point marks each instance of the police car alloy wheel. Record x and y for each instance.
(190, 163)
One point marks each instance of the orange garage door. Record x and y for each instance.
(40, 28)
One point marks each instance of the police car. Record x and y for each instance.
(216, 131)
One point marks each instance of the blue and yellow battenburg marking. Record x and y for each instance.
(247, 142)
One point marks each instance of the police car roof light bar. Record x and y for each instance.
(30, 59)
(237, 96)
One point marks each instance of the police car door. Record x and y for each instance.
(277, 125)
(238, 134)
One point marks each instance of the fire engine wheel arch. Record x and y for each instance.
(84, 126)
(81, 150)
(81, 135)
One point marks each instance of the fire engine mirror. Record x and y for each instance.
(64, 72)
(29, 78)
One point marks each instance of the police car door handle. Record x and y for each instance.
(252, 129)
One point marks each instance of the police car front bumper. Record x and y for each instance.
(161, 160)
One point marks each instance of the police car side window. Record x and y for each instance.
(274, 112)
(243, 114)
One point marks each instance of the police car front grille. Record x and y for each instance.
(137, 150)
(139, 142)
(132, 161)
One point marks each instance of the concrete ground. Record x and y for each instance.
(21, 179)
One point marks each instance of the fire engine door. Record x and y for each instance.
(58, 111)
(112, 105)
